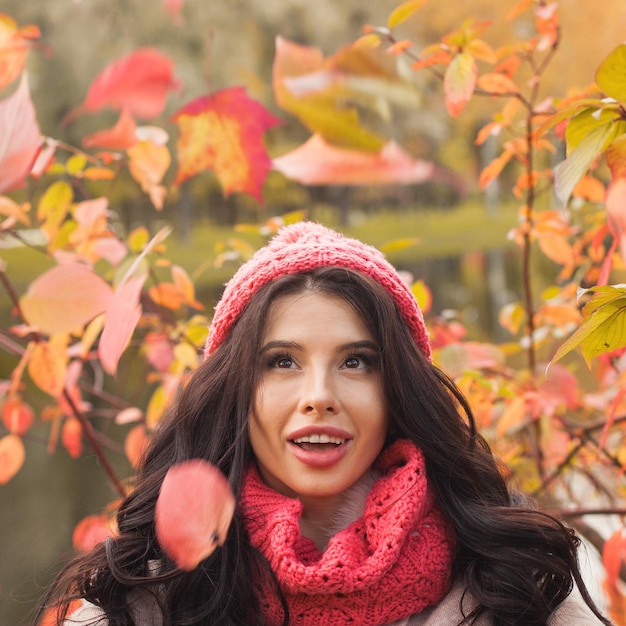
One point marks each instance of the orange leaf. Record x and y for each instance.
(399, 47)
(121, 136)
(15, 212)
(494, 169)
(613, 553)
(14, 46)
(193, 512)
(589, 188)
(167, 295)
(72, 437)
(12, 455)
(513, 417)
(442, 57)
(481, 50)
(518, 9)
(497, 84)
(148, 164)
(557, 248)
(185, 284)
(17, 416)
(48, 365)
(135, 444)
(52, 617)
(20, 136)
(65, 298)
(91, 531)
(224, 132)
(138, 82)
(316, 162)
(459, 82)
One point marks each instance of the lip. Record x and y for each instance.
(321, 458)
(319, 429)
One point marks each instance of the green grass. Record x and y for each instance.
(439, 233)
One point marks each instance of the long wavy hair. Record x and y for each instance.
(518, 564)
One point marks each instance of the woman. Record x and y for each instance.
(365, 495)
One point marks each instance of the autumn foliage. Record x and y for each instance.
(551, 400)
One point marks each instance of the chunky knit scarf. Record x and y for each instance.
(391, 563)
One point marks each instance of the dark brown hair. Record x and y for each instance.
(517, 563)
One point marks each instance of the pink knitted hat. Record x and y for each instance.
(305, 246)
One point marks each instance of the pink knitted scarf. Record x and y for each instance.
(392, 562)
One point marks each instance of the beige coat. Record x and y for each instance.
(572, 612)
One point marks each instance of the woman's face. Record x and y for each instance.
(319, 416)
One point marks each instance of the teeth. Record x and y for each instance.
(323, 438)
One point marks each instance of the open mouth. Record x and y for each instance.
(318, 443)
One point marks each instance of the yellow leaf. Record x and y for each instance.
(403, 12)
(53, 206)
(148, 164)
(610, 75)
(459, 82)
(513, 418)
(480, 49)
(48, 365)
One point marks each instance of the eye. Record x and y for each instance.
(360, 361)
(281, 361)
(353, 362)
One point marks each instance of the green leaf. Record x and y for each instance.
(601, 296)
(569, 172)
(611, 75)
(587, 120)
(601, 332)
(404, 12)
(55, 202)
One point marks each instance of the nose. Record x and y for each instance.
(318, 396)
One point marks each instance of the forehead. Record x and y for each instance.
(312, 314)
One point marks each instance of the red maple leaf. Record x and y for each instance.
(224, 132)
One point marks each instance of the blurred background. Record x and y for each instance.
(463, 253)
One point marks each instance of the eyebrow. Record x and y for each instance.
(293, 345)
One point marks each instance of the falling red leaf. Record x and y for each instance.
(316, 162)
(20, 137)
(14, 46)
(224, 132)
(138, 82)
(193, 512)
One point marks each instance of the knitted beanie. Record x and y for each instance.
(306, 246)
